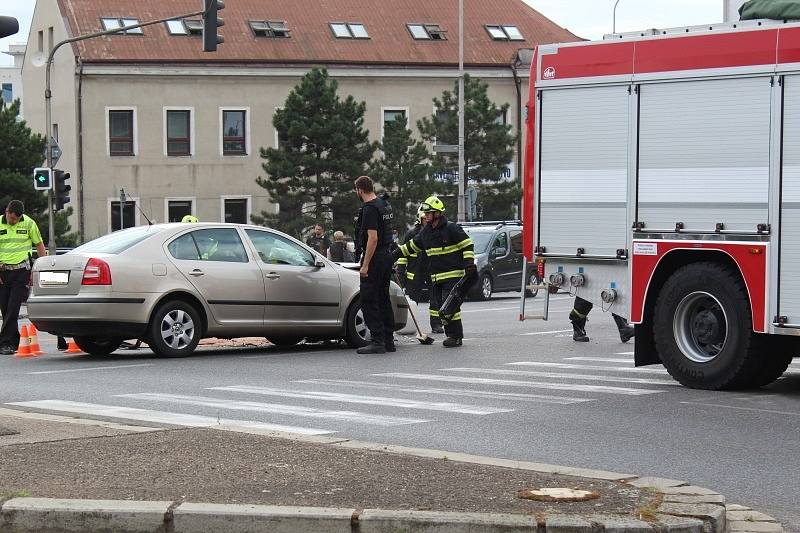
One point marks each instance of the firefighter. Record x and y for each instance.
(451, 257)
(578, 316)
(374, 234)
(413, 271)
(189, 219)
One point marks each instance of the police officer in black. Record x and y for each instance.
(375, 236)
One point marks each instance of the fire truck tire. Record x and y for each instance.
(702, 327)
(773, 367)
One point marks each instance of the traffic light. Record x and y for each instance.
(211, 22)
(61, 189)
(42, 179)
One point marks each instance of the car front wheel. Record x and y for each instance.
(175, 329)
(485, 287)
(98, 346)
(356, 332)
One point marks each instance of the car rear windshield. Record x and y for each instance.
(119, 241)
(480, 238)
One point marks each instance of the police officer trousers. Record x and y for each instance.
(439, 293)
(13, 291)
(375, 302)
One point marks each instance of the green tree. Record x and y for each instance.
(323, 148)
(20, 152)
(488, 146)
(403, 170)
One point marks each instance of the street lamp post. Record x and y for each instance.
(462, 175)
(51, 231)
(614, 21)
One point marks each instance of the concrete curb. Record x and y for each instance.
(29, 515)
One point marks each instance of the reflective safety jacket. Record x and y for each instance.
(16, 241)
(448, 247)
(416, 264)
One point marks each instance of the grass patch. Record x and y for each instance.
(9, 495)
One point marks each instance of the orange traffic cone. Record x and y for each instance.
(34, 341)
(73, 348)
(24, 349)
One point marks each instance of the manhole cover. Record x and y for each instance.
(557, 494)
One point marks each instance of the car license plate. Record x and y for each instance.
(47, 279)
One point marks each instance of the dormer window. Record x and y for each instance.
(185, 27)
(349, 30)
(426, 32)
(110, 23)
(504, 32)
(269, 28)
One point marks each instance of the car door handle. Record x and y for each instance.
(272, 275)
(196, 272)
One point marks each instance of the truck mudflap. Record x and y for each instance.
(644, 351)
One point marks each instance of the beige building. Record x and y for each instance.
(180, 130)
(11, 76)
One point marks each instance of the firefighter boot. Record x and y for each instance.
(372, 348)
(626, 331)
(578, 327)
(451, 342)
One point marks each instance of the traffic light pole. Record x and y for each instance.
(51, 230)
(462, 174)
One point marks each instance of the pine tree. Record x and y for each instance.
(323, 148)
(488, 146)
(403, 170)
(20, 152)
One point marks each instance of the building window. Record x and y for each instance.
(8, 93)
(128, 214)
(427, 32)
(110, 23)
(502, 117)
(234, 132)
(185, 27)
(269, 28)
(236, 210)
(348, 30)
(504, 33)
(50, 39)
(178, 208)
(389, 114)
(55, 132)
(120, 132)
(41, 40)
(179, 142)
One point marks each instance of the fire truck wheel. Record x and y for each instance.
(703, 328)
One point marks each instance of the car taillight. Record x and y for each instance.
(97, 272)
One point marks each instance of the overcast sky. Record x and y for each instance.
(586, 18)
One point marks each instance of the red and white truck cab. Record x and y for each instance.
(662, 182)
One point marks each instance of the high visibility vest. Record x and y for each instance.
(16, 241)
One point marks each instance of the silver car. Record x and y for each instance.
(173, 284)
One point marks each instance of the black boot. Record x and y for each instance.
(578, 327)
(437, 328)
(390, 347)
(451, 342)
(372, 349)
(626, 331)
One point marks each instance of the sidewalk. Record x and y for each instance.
(173, 480)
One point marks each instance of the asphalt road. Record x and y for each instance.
(514, 390)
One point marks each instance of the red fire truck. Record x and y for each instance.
(662, 183)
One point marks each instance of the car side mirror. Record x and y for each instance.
(319, 263)
(499, 252)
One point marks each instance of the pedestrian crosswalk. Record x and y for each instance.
(383, 399)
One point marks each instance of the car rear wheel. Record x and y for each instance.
(485, 287)
(98, 346)
(285, 341)
(356, 332)
(175, 329)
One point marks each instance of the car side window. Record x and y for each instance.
(500, 241)
(516, 242)
(216, 244)
(276, 250)
(184, 248)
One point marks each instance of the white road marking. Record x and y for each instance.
(591, 367)
(545, 332)
(88, 368)
(162, 417)
(516, 383)
(516, 396)
(368, 400)
(599, 359)
(275, 408)
(624, 353)
(738, 408)
(566, 375)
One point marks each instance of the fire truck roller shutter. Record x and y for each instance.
(584, 161)
(789, 296)
(704, 154)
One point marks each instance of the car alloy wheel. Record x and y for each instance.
(486, 287)
(177, 329)
(361, 326)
